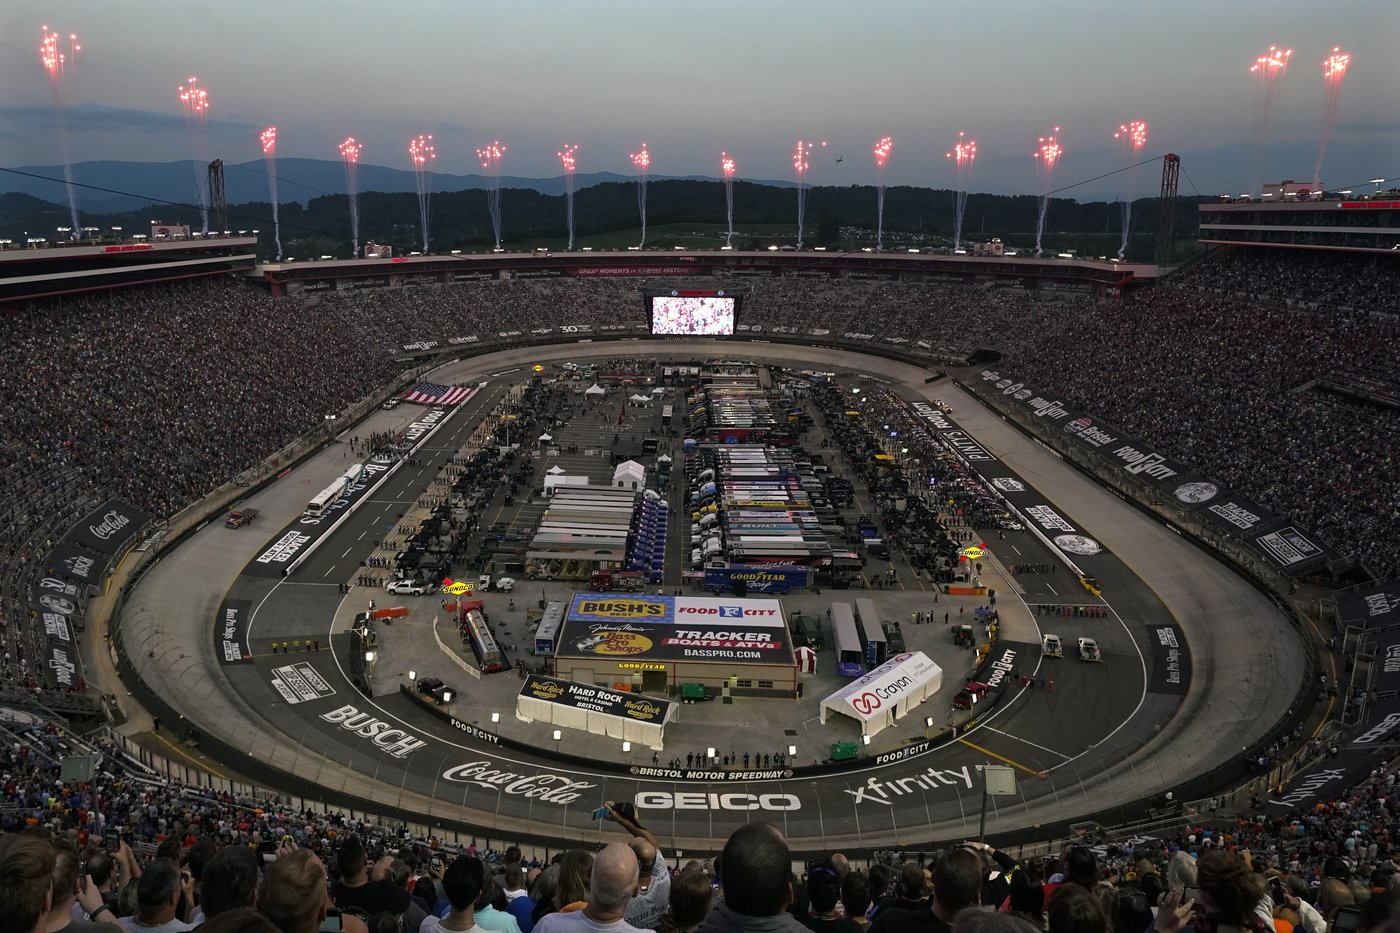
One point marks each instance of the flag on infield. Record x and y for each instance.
(430, 393)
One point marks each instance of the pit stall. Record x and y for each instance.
(688, 646)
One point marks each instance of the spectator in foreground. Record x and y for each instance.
(462, 882)
(613, 882)
(240, 920)
(1230, 892)
(65, 890)
(977, 920)
(823, 894)
(519, 903)
(651, 901)
(157, 894)
(957, 885)
(491, 909)
(689, 903)
(755, 872)
(230, 882)
(909, 891)
(293, 894)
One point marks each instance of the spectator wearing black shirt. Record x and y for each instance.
(755, 872)
(957, 884)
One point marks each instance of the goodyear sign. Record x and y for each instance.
(758, 579)
(607, 607)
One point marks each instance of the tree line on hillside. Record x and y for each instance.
(763, 215)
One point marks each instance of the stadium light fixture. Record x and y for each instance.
(412, 676)
(558, 735)
(866, 738)
(792, 751)
(369, 657)
(447, 696)
(626, 747)
(495, 718)
(710, 752)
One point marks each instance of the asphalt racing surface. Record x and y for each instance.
(1108, 734)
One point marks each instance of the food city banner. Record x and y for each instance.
(887, 692)
(596, 710)
(109, 528)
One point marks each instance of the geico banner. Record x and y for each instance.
(698, 800)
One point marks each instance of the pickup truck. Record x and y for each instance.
(240, 517)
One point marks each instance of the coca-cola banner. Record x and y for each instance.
(110, 528)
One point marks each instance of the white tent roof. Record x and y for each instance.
(546, 437)
(663, 459)
(629, 468)
(639, 398)
(657, 391)
(555, 470)
(887, 693)
(595, 389)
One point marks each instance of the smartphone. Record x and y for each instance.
(601, 813)
(1347, 919)
(270, 857)
(435, 863)
(111, 840)
(332, 923)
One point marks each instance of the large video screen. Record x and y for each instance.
(691, 315)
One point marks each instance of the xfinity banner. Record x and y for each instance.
(77, 564)
(109, 528)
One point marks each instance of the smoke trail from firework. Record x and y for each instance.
(726, 165)
(1268, 71)
(422, 152)
(1132, 137)
(882, 154)
(964, 153)
(1334, 70)
(269, 148)
(566, 158)
(58, 61)
(641, 161)
(490, 157)
(1047, 156)
(802, 167)
(350, 155)
(194, 100)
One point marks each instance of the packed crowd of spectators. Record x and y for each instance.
(1226, 384)
(1327, 280)
(130, 851)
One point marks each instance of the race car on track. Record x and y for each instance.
(1050, 647)
(968, 696)
(1089, 650)
(407, 587)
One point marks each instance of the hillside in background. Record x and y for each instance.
(692, 214)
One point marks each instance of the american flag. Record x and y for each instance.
(430, 393)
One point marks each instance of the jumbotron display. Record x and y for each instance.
(702, 314)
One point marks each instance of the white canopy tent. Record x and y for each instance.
(886, 693)
(639, 398)
(626, 717)
(595, 390)
(546, 438)
(555, 470)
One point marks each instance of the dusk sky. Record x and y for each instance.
(747, 77)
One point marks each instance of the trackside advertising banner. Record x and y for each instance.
(675, 628)
(1285, 546)
(1374, 608)
(109, 528)
(596, 699)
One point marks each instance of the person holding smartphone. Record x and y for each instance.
(654, 897)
